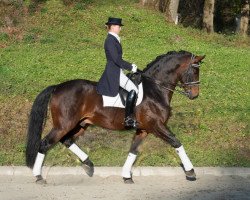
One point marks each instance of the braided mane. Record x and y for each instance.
(165, 57)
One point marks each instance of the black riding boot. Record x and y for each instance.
(130, 122)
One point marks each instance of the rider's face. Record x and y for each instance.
(116, 29)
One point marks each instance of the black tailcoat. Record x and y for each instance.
(109, 82)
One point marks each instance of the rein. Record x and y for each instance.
(166, 88)
(191, 83)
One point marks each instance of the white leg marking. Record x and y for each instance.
(76, 150)
(126, 170)
(184, 158)
(37, 169)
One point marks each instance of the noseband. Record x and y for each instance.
(182, 85)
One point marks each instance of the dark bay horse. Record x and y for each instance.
(75, 105)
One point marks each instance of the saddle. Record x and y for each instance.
(120, 99)
(136, 79)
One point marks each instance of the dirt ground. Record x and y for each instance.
(112, 188)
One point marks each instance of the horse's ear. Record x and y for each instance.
(199, 58)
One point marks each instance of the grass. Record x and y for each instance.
(66, 42)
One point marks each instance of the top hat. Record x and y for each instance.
(114, 21)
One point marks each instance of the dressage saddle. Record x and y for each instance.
(136, 79)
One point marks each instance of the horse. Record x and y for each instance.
(75, 105)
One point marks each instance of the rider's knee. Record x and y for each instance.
(135, 90)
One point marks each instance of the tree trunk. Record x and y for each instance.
(149, 3)
(208, 16)
(171, 11)
(244, 18)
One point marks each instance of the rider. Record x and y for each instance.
(113, 75)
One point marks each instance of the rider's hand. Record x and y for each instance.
(134, 68)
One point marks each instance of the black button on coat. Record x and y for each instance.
(108, 84)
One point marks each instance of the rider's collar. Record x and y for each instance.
(116, 36)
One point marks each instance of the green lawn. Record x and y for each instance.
(62, 43)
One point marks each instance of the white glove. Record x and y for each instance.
(134, 69)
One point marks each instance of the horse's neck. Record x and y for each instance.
(166, 79)
(156, 91)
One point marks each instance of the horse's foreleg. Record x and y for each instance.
(126, 170)
(68, 141)
(168, 136)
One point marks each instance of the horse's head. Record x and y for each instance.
(169, 69)
(189, 76)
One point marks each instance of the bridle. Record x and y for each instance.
(191, 65)
(181, 85)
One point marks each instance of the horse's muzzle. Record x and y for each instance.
(193, 97)
(193, 92)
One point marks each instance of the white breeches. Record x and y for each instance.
(126, 83)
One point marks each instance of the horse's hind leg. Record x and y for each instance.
(165, 134)
(69, 142)
(47, 142)
(126, 170)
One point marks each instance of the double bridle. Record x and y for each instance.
(182, 85)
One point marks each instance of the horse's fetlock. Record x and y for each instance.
(44, 146)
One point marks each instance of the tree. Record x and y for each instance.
(208, 16)
(171, 11)
(169, 7)
(244, 17)
(149, 3)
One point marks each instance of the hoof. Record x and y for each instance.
(190, 175)
(40, 180)
(88, 166)
(128, 181)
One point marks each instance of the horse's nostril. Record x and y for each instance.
(191, 96)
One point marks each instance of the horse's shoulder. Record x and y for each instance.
(153, 91)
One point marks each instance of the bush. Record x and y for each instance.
(4, 37)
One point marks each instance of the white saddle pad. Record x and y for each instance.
(117, 102)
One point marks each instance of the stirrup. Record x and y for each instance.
(130, 123)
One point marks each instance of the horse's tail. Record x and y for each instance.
(37, 120)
